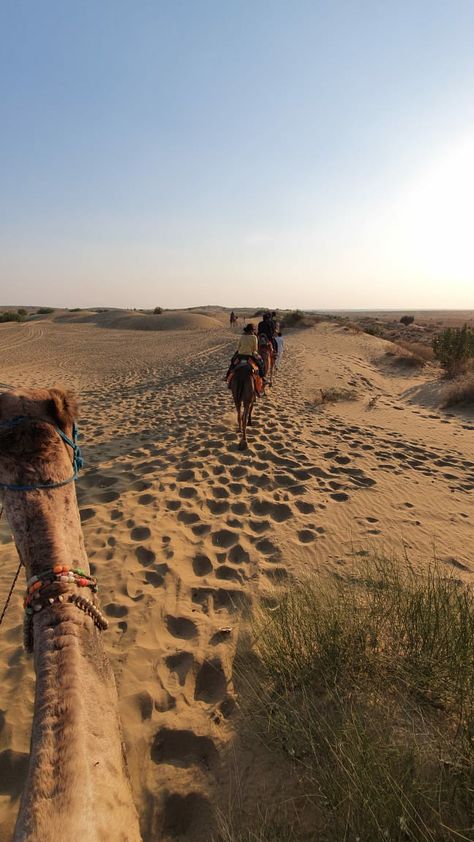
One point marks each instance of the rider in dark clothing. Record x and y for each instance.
(267, 327)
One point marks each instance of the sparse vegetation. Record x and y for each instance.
(366, 687)
(158, 311)
(44, 311)
(408, 355)
(374, 330)
(332, 395)
(407, 320)
(75, 310)
(11, 316)
(22, 312)
(423, 352)
(459, 392)
(454, 347)
(294, 318)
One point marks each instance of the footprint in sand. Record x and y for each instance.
(211, 683)
(140, 533)
(181, 627)
(202, 565)
(238, 555)
(180, 663)
(229, 574)
(146, 499)
(188, 518)
(304, 507)
(183, 748)
(113, 609)
(154, 579)
(218, 507)
(87, 514)
(340, 496)
(306, 536)
(188, 492)
(145, 556)
(224, 538)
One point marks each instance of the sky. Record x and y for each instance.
(178, 153)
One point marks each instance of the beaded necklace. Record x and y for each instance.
(37, 598)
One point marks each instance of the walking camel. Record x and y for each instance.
(77, 786)
(243, 392)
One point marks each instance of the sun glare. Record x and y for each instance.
(435, 216)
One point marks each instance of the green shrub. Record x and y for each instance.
(22, 312)
(44, 311)
(407, 320)
(158, 310)
(454, 347)
(373, 330)
(294, 318)
(11, 316)
(366, 686)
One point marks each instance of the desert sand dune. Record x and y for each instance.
(131, 320)
(183, 530)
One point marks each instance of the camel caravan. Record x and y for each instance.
(77, 786)
(252, 368)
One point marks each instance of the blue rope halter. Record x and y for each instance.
(77, 462)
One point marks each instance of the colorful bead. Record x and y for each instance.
(58, 568)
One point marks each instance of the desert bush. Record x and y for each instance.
(158, 311)
(374, 330)
(22, 312)
(294, 318)
(367, 686)
(332, 395)
(454, 347)
(402, 354)
(423, 352)
(75, 310)
(460, 391)
(407, 320)
(44, 311)
(259, 312)
(11, 316)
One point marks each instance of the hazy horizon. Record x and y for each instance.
(312, 155)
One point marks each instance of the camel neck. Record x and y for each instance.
(77, 786)
(47, 528)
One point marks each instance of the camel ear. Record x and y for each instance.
(63, 407)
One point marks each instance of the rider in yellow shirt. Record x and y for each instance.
(247, 347)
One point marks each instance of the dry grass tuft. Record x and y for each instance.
(366, 687)
(333, 395)
(422, 352)
(460, 391)
(409, 355)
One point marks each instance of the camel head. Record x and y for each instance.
(31, 450)
(41, 508)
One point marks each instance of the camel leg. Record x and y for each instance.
(239, 417)
(243, 440)
(249, 422)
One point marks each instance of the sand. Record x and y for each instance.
(184, 531)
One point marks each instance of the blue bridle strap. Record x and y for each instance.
(77, 462)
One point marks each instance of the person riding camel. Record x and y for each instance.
(267, 328)
(246, 349)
